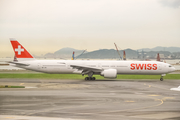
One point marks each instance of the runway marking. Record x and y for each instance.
(30, 87)
(129, 101)
(21, 83)
(165, 98)
(20, 117)
(8, 117)
(153, 95)
(160, 88)
(147, 85)
(99, 113)
(135, 108)
(104, 113)
(140, 107)
(156, 87)
(35, 112)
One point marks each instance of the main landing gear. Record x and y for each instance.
(90, 74)
(90, 78)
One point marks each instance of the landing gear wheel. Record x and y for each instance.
(90, 78)
(86, 78)
(162, 75)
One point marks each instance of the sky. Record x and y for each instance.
(44, 26)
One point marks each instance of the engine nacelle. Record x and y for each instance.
(109, 73)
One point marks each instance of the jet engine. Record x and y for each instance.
(109, 73)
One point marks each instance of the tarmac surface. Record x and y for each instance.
(89, 100)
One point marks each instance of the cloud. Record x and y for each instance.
(171, 3)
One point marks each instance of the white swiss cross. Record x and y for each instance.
(19, 50)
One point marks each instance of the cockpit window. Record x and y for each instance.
(170, 66)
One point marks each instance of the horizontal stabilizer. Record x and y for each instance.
(21, 64)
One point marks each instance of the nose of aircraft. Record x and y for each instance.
(172, 69)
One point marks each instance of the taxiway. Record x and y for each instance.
(90, 100)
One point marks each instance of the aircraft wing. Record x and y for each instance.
(86, 69)
(17, 63)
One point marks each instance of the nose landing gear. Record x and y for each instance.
(161, 79)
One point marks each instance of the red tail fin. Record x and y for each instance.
(19, 50)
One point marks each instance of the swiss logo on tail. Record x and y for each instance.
(20, 51)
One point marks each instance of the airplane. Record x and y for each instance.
(176, 89)
(107, 69)
(72, 56)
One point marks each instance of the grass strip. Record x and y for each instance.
(9, 86)
(77, 76)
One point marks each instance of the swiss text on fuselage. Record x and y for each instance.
(149, 66)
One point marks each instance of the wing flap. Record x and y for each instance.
(86, 68)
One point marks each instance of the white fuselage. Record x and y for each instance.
(122, 67)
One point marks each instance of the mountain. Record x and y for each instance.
(108, 54)
(159, 48)
(130, 54)
(100, 54)
(64, 53)
(68, 51)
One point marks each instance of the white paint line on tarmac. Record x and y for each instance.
(30, 87)
(14, 117)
